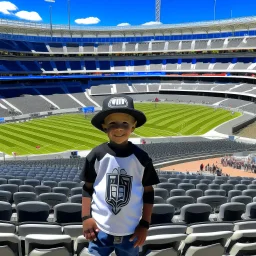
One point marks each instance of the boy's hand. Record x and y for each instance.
(90, 229)
(141, 235)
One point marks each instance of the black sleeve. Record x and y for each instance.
(150, 176)
(88, 173)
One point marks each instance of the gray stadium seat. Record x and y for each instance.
(5, 196)
(233, 193)
(180, 201)
(211, 250)
(26, 188)
(161, 192)
(177, 192)
(185, 181)
(245, 182)
(10, 187)
(162, 179)
(50, 183)
(241, 199)
(231, 212)
(174, 180)
(10, 244)
(5, 211)
(194, 181)
(212, 192)
(162, 245)
(250, 212)
(204, 239)
(15, 181)
(210, 227)
(167, 186)
(162, 214)
(227, 187)
(241, 249)
(69, 184)
(32, 182)
(214, 186)
(193, 213)
(245, 225)
(32, 211)
(203, 187)
(6, 227)
(234, 182)
(73, 230)
(159, 200)
(167, 229)
(20, 197)
(251, 186)
(195, 193)
(62, 190)
(186, 186)
(249, 192)
(68, 213)
(76, 191)
(241, 187)
(206, 181)
(44, 244)
(219, 182)
(41, 189)
(78, 199)
(3, 181)
(53, 199)
(213, 201)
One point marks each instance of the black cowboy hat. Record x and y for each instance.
(118, 103)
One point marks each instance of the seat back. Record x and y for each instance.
(241, 187)
(5, 211)
(76, 199)
(211, 250)
(5, 196)
(212, 192)
(233, 193)
(214, 186)
(50, 183)
(241, 199)
(26, 188)
(62, 190)
(10, 244)
(32, 182)
(53, 199)
(68, 184)
(167, 186)
(186, 186)
(180, 201)
(195, 193)
(162, 213)
(161, 192)
(76, 191)
(202, 186)
(68, 212)
(41, 189)
(177, 192)
(231, 211)
(15, 181)
(20, 197)
(213, 201)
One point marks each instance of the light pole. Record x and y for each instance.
(214, 10)
(50, 1)
(69, 14)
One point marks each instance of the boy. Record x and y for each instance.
(117, 195)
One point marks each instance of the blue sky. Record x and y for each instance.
(133, 12)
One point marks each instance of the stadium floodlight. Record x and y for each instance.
(158, 10)
(50, 1)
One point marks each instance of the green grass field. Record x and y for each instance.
(74, 131)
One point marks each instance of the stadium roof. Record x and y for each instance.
(245, 23)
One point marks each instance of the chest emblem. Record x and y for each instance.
(119, 186)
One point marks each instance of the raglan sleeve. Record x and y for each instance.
(150, 176)
(88, 173)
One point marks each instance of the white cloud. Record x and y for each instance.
(150, 23)
(6, 7)
(87, 21)
(33, 16)
(124, 24)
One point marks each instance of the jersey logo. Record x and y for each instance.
(119, 186)
(118, 102)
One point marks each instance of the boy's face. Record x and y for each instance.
(119, 126)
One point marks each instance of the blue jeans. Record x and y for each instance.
(105, 245)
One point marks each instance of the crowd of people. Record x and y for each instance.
(213, 169)
(247, 164)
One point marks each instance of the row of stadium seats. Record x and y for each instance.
(222, 64)
(156, 46)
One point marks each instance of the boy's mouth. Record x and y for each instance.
(119, 135)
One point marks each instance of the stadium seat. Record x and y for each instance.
(185, 181)
(195, 193)
(233, 182)
(10, 244)
(167, 186)
(5, 211)
(210, 227)
(231, 212)
(214, 186)
(32, 182)
(186, 186)
(233, 193)
(245, 225)
(218, 182)
(78, 199)
(11, 188)
(240, 187)
(73, 230)
(48, 245)
(5, 196)
(41, 189)
(250, 212)
(162, 179)
(69, 184)
(245, 182)
(162, 214)
(212, 192)
(53, 199)
(202, 187)
(32, 211)
(76, 191)
(177, 192)
(6, 227)
(179, 201)
(200, 240)
(159, 200)
(227, 187)
(214, 201)
(167, 229)
(3, 181)
(26, 188)
(240, 249)
(241, 199)
(50, 184)
(62, 190)
(194, 181)
(20, 197)
(247, 192)
(251, 186)
(193, 213)
(68, 213)
(161, 192)
(15, 181)
(176, 181)
(162, 245)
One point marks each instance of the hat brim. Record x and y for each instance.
(99, 118)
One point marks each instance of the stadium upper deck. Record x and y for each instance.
(30, 31)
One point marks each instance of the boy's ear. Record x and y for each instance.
(104, 127)
(134, 126)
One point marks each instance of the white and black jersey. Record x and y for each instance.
(119, 176)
